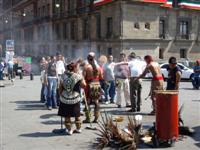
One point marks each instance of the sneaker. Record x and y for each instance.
(106, 102)
(77, 131)
(69, 132)
(49, 108)
(55, 107)
(128, 106)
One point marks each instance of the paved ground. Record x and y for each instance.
(26, 124)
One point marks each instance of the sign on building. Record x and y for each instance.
(10, 45)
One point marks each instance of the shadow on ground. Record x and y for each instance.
(196, 136)
(124, 113)
(51, 122)
(29, 105)
(41, 134)
(47, 116)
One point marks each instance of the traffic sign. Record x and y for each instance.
(10, 45)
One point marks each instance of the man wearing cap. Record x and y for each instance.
(174, 75)
(136, 67)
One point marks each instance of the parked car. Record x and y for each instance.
(187, 73)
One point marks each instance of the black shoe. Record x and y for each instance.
(128, 106)
(131, 110)
(119, 106)
(112, 101)
(95, 121)
(138, 109)
(86, 121)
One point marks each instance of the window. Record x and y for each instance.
(161, 53)
(136, 25)
(109, 51)
(183, 53)
(147, 26)
(39, 12)
(165, 66)
(65, 31)
(66, 51)
(85, 29)
(162, 29)
(181, 67)
(184, 30)
(109, 27)
(43, 10)
(72, 29)
(98, 26)
(57, 31)
(48, 10)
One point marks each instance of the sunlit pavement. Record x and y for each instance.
(27, 125)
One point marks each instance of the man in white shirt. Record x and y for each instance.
(60, 68)
(136, 67)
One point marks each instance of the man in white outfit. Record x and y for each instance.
(122, 84)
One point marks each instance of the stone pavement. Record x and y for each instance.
(27, 125)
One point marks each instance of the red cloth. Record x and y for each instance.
(157, 78)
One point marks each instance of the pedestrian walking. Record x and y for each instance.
(10, 70)
(174, 75)
(70, 97)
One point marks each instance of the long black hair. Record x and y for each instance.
(91, 61)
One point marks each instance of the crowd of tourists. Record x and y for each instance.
(71, 86)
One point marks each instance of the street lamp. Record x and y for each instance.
(57, 5)
(24, 14)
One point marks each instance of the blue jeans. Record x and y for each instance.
(52, 86)
(1, 75)
(110, 90)
(43, 94)
(196, 82)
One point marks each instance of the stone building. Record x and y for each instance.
(75, 27)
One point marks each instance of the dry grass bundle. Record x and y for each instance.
(111, 135)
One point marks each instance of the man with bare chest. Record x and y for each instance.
(157, 80)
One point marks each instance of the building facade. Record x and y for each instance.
(75, 27)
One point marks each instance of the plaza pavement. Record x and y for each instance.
(27, 125)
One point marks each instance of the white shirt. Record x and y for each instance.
(60, 67)
(136, 67)
(109, 71)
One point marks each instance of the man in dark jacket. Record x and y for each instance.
(174, 75)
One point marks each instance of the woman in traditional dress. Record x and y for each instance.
(70, 97)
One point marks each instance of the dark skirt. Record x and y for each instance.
(67, 110)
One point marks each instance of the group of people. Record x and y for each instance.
(68, 85)
(9, 66)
